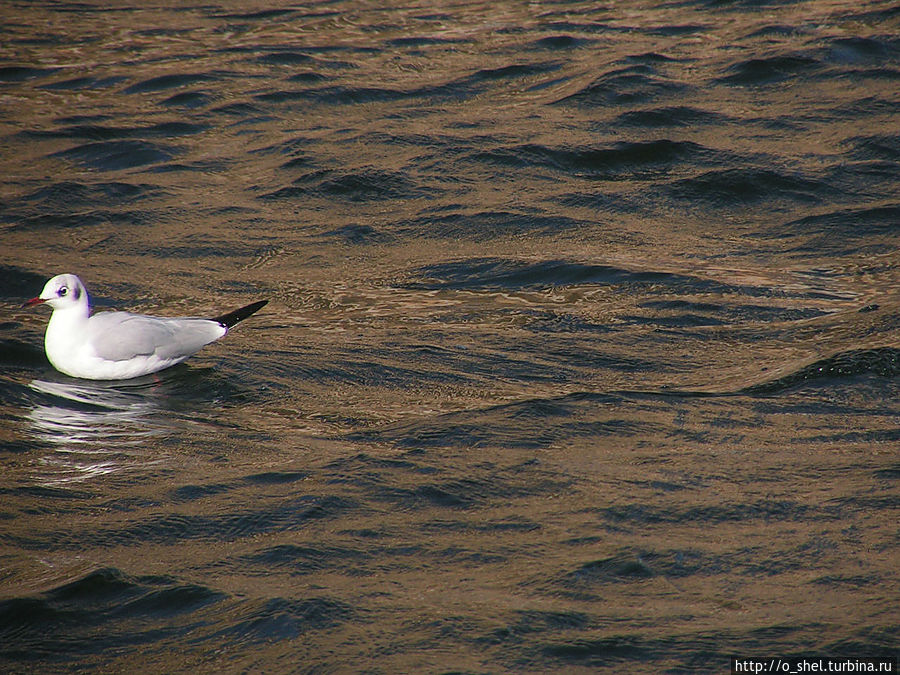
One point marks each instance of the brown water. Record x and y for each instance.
(581, 352)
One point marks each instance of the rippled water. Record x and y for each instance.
(581, 354)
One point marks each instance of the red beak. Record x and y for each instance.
(33, 302)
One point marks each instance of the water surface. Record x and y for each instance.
(581, 352)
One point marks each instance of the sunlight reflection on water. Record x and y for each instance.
(581, 350)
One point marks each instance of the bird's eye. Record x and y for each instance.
(62, 292)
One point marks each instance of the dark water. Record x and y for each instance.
(581, 354)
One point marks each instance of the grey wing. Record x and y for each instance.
(119, 336)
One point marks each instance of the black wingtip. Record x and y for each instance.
(228, 320)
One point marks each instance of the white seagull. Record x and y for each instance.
(120, 345)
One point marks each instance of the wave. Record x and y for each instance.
(725, 187)
(119, 155)
(638, 83)
(881, 361)
(358, 186)
(616, 161)
(172, 81)
(503, 273)
(64, 622)
(770, 70)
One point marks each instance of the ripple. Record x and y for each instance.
(304, 559)
(282, 619)
(494, 273)
(118, 155)
(70, 193)
(559, 42)
(284, 58)
(238, 109)
(80, 83)
(172, 81)
(639, 83)
(725, 187)
(600, 651)
(18, 354)
(483, 225)
(621, 158)
(689, 313)
(524, 424)
(261, 15)
(15, 74)
(359, 235)
(770, 70)
(676, 30)
(189, 100)
(764, 509)
(459, 89)
(879, 146)
(360, 186)
(190, 493)
(336, 95)
(99, 132)
(176, 527)
(883, 361)
(863, 50)
(852, 223)
(670, 116)
(509, 72)
(80, 219)
(425, 41)
(68, 618)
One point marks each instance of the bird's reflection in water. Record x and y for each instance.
(94, 429)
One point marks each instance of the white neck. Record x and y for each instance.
(64, 328)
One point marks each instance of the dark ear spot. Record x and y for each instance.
(77, 293)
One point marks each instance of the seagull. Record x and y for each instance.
(120, 345)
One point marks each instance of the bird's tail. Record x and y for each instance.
(228, 320)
